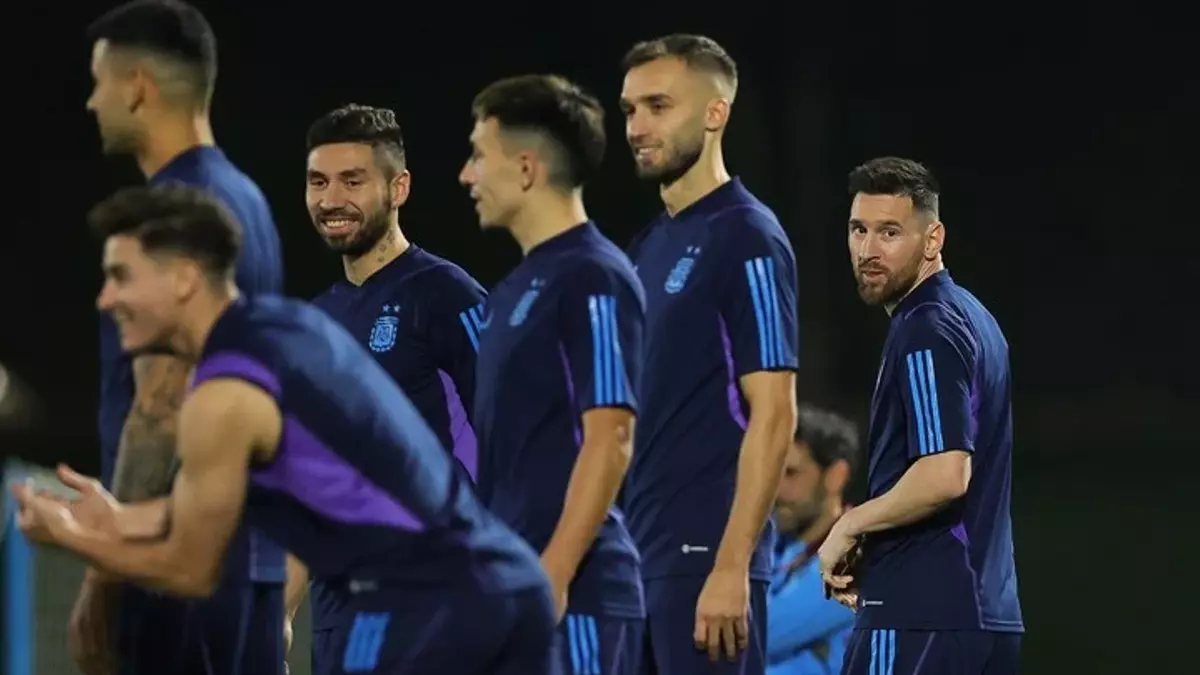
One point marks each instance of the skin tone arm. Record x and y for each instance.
(772, 423)
(599, 471)
(146, 454)
(929, 485)
(223, 422)
(297, 586)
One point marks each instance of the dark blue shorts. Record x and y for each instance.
(953, 652)
(589, 645)
(428, 632)
(238, 631)
(671, 620)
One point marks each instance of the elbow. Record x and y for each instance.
(954, 478)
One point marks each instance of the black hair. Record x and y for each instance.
(829, 436)
(900, 177)
(556, 109)
(354, 123)
(700, 53)
(172, 218)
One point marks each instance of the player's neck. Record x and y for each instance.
(170, 138)
(706, 175)
(390, 246)
(546, 217)
(206, 309)
(927, 269)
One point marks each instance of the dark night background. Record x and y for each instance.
(1060, 141)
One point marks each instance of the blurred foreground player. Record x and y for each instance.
(154, 64)
(292, 425)
(936, 587)
(418, 314)
(558, 358)
(718, 391)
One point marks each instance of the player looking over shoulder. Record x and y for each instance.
(936, 585)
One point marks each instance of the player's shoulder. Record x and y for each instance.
(600, 269)
(937, 322)
(438, 280)
(748, 224)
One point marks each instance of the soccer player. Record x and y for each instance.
(418, 314)
(290, 423)
(936, 585)
(718, 391)
(807, 632)
(558, 361)
(154, 67)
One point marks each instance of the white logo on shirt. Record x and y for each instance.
(692, 548)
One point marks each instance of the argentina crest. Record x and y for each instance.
(527, 299)
(383, 333)
(683, 267)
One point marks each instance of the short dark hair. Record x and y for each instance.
(829, 436)
(354, 123)
(172, 218)
(897, 176)
(170, 29)
(700, 53)
(556, 109)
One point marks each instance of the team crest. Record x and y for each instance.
(521, 311)
(683, 267)
(383, 333)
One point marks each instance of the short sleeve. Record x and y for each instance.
(936, 383)
(240, 366)
(601, 323)
(757, 296)
(454, 334)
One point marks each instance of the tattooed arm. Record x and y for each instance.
(146, 460)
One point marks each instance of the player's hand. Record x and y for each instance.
(560, 584)
(41, 518)
(838, 556)
(89, 638)
(94, 508)
(723, 614)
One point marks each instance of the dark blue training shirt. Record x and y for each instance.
(419, 317)
(359, 488)
(943, 385)
(563, 335)
(720, 280)
(259, 270)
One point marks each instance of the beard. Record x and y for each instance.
(679, 158)
(358, 242)
(894, 287)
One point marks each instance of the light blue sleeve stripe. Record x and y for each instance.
(19, 573)
(573, 642)
(938, 444)
(780, 350)
(608, 374)
(618, 359)
(918, 401)
(471, 325)
(593, 635)
(760, 275)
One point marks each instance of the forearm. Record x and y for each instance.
(297, 586)
(150, 519)
(595, 481)
(917, 495)
(153, 565)
(760, 467)
(145, 462)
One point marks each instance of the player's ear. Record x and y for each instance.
(837, 477)
(139, 88)
(716, 116)
(935, 240)
(530, 166)
(186, 278)
(400, 187)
